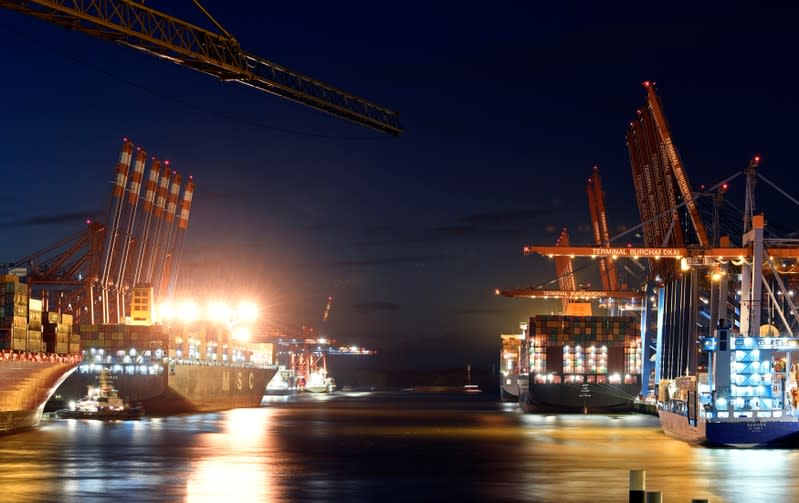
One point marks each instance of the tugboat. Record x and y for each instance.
(320, 382)
(101, 402)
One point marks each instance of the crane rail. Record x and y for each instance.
(131, 23)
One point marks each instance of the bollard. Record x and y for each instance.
(654, 497)
(637, 486)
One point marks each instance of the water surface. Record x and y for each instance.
(379, 447)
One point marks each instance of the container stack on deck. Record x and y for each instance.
(58, 334)
(196, 341)
(589, 346)
(13, 314)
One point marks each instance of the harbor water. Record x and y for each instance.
(379, 447)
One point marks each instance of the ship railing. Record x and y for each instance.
(212, 363)
(783, 342)
(28, 356)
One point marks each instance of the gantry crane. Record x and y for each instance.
(218, 54)
(599, 224)
(95, 274)
(568, 292)
(673, 157)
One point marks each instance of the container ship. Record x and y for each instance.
(513, 367)
(29, 374)
(582, 364)
(744, 392)
(173, 369)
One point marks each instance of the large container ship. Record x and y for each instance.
(513, 367)
(582, 364)
(28, 375)
(173, 369)
(748, 398)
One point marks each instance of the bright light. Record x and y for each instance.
(684, 265)
(247, 311)
(219, 311)
(188, 311)
(166, 311)
(241, 334)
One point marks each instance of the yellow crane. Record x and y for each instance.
(217, 54)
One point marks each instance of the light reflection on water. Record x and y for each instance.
(379, 447)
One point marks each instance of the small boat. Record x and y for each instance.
(101, 402)
(469, 387)
(320, 382)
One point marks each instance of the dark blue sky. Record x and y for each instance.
(506, 108)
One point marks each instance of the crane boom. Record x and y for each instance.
(183, 43)
(599, 224)
(674, 253)
(535, 293)
(676, 164)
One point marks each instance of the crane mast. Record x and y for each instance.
(156, 33)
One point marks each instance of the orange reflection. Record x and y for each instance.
(238, 463)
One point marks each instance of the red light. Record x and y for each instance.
(647, 83)
(757, 158)
(125, 139)
(88, 222)
(166, 162)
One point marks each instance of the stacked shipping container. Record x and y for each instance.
(587, 347)
(13, 314)
(196, 341)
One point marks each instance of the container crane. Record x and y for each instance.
(217, 54)
(599, 224)
(91, 274)
(673, 157)
(570, 295)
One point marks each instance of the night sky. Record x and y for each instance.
(506, 108)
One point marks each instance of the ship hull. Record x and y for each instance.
(744, 432)
(579, 398)
(509, 393)
(25, 387)
(186, 388)
(511, 386)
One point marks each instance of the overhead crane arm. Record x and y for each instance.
(175, 40)
(630, 252)
(535, 293)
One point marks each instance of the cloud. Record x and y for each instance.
(409, 259)
(375, 306)
(479, 311)
(472, 226)
(56, 219)
(224, 195)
